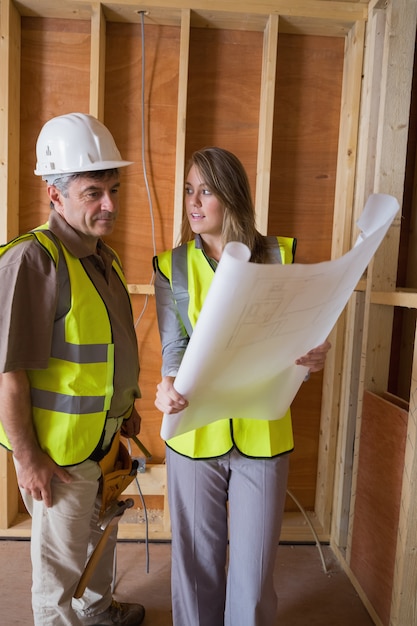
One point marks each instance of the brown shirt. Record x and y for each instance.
(29, 297)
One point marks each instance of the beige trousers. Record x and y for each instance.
(62, 539)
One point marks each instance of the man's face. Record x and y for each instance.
(91, 207)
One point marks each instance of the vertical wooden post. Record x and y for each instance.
(9, 120)
(181, 121)
(9, 195)
(341, 243)
(402, 19)
(97, 61)
(9, 492)
(266, 121)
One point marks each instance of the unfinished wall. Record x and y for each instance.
(223, 103)
(313, 96)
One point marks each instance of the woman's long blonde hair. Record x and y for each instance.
(226, 178)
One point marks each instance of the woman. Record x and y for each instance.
(226, 481)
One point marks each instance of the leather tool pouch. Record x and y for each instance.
(117, 472)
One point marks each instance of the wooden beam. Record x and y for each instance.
(9, 195)
(164, 11)
(9, 120)
(97, 61)
(344, 474)
(266, 121)
(401, 297)
(341, 243)
(8, 488)
(348, 141)
(403, 24)
(181, 123)
(146, 290)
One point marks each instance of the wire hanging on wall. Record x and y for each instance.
(151, 212)
(143, 156)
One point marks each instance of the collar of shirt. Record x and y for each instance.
(68, 235)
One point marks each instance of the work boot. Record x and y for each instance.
(118, 614)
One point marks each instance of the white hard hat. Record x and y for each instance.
(74, 143)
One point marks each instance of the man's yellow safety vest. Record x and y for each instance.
(71, 397)
(190, 274)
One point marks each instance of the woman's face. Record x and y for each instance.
(204, 210)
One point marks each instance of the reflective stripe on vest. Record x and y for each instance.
(190, 274)
(78, 383)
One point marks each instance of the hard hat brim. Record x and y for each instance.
(91, 167)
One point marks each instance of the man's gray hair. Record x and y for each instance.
(63, 181)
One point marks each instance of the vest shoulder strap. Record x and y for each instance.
(282, 249)
(44, 237)
(179, 284)
(274, 248)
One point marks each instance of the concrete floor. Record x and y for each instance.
(307, 595)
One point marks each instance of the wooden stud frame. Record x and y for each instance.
(379, 36)
(310, 17)
(382, 139)
(9, 193)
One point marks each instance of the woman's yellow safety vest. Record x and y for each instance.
(190, 274)
(71, 397)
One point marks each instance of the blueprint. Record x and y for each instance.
(258, 319)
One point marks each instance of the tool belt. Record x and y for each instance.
(118, 470)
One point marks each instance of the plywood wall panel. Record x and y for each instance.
(303, 176)
(133, 236)
(150, 359)
(224, 93)
(378, 495)
(306, 424)
(55, 76)
(306, 130)
(123, 115)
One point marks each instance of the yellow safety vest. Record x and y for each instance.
(190, 274)
(71, 397)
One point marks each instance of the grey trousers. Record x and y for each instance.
(231, 497)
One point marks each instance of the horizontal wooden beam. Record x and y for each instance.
(327, 17)
(145, 290)
(406, 298)
(401, 297)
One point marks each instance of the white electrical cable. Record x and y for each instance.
(145, 173)
(307, 519)
(145, 176)
(145, 511)
(143, 151)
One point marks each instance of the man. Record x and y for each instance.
(69, 369)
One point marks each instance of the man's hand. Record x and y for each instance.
(315, 358)
(131, 426)
(168, 400)
(35, 474)
(34, 468)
